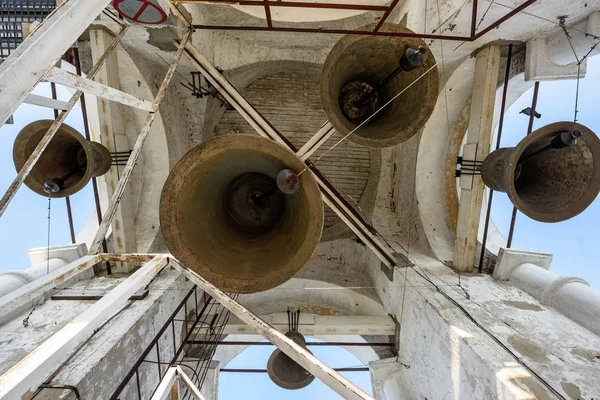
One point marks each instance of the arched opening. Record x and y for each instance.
(258, 385)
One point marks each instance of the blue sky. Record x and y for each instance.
(258, 386)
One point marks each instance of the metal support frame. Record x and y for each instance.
(331, 196)
(31, 161)
(65, 78)
(137, 150)
(33, 369)
(316, 367)
(387, 10)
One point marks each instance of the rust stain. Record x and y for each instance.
(103, 106)
(319, 310)
(96, 36)
(119, 242)
(117, 224)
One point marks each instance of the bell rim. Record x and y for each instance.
(168, 217)
(591, 140)
(344, 43)
(19, 154)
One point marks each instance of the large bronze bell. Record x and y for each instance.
(69, 159)
(284, 371)
(223, 216)
(354, 86)
(546, 178)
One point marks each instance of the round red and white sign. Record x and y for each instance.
(141, 11)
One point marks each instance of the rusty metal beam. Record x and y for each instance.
(385, 15)
(387, 9)
(474, 18)
(294, 4)
(268, 13)
(332, 31)
(503, 19)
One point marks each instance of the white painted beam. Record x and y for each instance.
(316, 367)
(164, 390)
(47, 102)
(31, 371)
(109, 129)
(71, 80)
(485, 82)
(190, 385)
(316, 325)
(137, 150)
(25, 295)
(42, 49)
(318, 140)
(170, 389)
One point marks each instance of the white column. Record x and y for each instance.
(109, 129)
(477, 148)
(42, 49)
(570, 295)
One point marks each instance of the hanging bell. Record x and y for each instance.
(362, 73)
(551, 175)
(284, 371)
(223, 215)
(67, 164)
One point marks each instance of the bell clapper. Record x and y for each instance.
(56, 184)
(288, 182)
(360, 99)
(560, 141)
